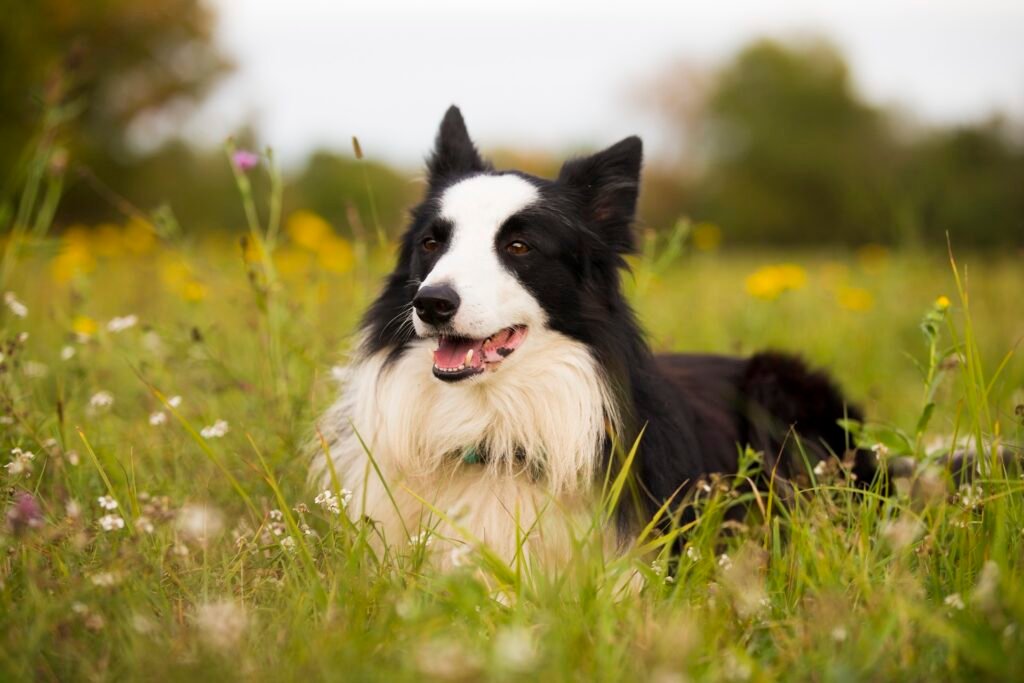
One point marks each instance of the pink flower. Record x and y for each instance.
(245, 160)
(24, 514)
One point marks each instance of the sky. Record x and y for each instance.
(564, 74)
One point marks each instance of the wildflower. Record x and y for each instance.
(516, 649)
(221, 624)
(101, 399)
(335, 255)
(73, 457)
(855, 299)
(244, 160)
(17, 308)
(954, 601)
(72, 509)
(67, 353)
(145, 525)
(84, 327)
(200, 523)
(107, 502)
(122, 323)
(215, 431)
(331, 503)
(106, 579)
(422, 538)
(724, 562)
(158, 418)
(21, 463)
(288, 543)
(174, 401)
(942, 303)
(769, 282)
(24, 514)
(35, 369)
(820, 469)
(111, 522)
(276, 515)
(693, 553)
(839, 634)
(308, 230)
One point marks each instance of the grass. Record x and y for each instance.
(226, 568)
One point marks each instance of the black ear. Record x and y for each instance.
(607, 184)
(454, 153)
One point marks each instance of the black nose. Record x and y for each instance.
(436, 304)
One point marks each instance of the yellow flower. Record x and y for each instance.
(855, 299)
(942, 303)
(84, 326)
(106, 240)
(308, 230)
(252, 251)
(335, 255)
(291, 262)
(706, 236)
(175, 273)
(139, 236)
(73, 261)
(193, 291)
(768, 282)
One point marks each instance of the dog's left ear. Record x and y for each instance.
(607, 184)
(454, 152)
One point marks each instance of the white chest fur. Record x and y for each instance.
(540, 420)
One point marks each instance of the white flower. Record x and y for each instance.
(839, 634)
(17, 308)
(21, 463)
(35, 369)
(216, 430)
(111, 522)
(101, 399)
(693, 553)
(106, 579)
(200, 523)
(122, 323)
(422, 538)
(288, 543)
(724, 562)
(954, 601)
(332, 503)
(819, 469)
(174, 401)
(158, 418)
(73, 509)
(67, 353)
(276, 515)
(107, 502)
(221, 625)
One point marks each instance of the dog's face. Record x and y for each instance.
(492, 258)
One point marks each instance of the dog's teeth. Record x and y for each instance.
(469, 357)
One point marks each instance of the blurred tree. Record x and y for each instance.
(120, 64)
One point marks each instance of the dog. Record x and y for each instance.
(501, 366)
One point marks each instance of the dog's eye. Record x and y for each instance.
(430, 244)
(518, 248)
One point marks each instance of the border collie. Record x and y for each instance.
(501, 364)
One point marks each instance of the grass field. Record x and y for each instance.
(147, 540)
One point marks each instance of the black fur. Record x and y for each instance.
(697, 411)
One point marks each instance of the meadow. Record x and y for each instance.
(158, 392)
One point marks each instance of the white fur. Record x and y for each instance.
(549, 400)
(492, 298)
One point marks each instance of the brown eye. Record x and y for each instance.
(430, 244)
(518, 248)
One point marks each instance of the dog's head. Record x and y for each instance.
(493, 257)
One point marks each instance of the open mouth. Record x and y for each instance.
(458, 358)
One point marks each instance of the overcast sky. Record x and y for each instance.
(561, 73)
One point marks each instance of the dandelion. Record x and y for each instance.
(199, 523)
(17, 308)
(21, 463)
(216, 430)
(158, 418)
(244, 160)
(107, 502)
(954, 601)
(769, 282)
(67, 353)
(122, 323)
(308, 230)
(942, 303)
(101, 399)
(111, 522)
(83, 327)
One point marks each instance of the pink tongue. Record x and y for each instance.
(451, 353)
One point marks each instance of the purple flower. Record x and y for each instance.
(245, 160)
(25, 513)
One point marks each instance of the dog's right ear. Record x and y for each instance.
(454, 152)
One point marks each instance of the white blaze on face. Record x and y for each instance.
(491, 297)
